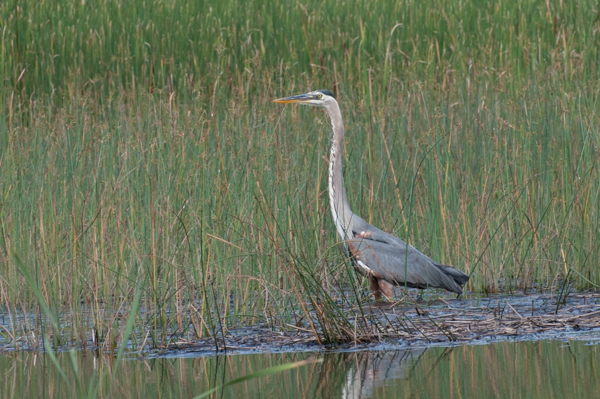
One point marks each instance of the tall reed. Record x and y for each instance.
(138, 141)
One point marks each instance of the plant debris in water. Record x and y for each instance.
(441, 320)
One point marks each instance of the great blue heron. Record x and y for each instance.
(386, 260)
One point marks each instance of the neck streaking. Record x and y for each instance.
(340, 210)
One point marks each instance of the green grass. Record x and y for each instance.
(139, 141)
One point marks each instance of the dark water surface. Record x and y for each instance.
(542, 369)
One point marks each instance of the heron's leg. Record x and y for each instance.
(374, 285)
(387, 289)
(380, 286)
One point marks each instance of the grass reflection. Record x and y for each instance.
(503, 370)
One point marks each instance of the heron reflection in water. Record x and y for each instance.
(384, 259)
(371, 370)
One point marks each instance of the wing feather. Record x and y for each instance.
(399, 263)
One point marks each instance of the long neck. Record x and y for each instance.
(342, 215)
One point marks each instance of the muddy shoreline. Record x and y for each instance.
(430, 322)
(436, 320)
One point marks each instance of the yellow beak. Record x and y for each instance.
(301, 98)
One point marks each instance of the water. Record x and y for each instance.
(542, 369)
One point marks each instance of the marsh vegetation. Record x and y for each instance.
(140, 153)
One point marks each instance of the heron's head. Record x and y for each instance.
(317, 98)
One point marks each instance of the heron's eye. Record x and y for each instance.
(319, 96)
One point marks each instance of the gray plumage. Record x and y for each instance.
(387, 256)
(386, 260)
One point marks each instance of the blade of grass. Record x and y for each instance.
(259, 374)
(135, 306)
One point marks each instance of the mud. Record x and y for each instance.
(405, 324)
(433, 321)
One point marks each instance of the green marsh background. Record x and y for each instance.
(139, 143)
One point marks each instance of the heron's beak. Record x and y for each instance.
(301, 98)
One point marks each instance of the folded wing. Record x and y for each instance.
(391, 259)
